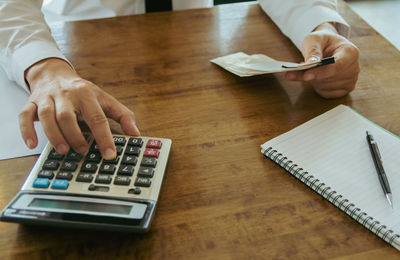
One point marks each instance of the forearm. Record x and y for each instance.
(297, 18)
(25, 38)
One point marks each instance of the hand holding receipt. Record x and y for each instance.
(373, 146)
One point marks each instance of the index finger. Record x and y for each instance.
(97, 121)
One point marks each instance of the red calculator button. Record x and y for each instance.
(152, 143)
(149, 152)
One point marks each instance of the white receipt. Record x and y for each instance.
(245, 65)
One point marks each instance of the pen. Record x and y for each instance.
(373, 147)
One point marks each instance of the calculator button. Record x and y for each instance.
(89, 167)
(119, 140)
(152, 143)
(46, 174)
(69, 166)
(142, 182)
(93, 187)
(64, 175)
(74, 156)
(126, 170)
(93, 156)
(149, 152)
(84, 177)
(135, 190)
(41, 183)
(119, 149)
(51, 165)
(107, 168)
(149, 161)
(113, 161)
(135, 142)
(101, 178)
(54, 155)
(129, 159)
(122, 180)
(94, 147)
(146, 172)
(132, 150)
(60, 184)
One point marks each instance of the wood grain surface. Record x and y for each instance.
(221, 199)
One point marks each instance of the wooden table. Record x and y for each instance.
(221, 199)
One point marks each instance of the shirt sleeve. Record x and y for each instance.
(25, 38)
(297, 18)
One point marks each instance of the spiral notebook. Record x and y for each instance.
(330, 155)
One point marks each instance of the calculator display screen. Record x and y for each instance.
(81, 206)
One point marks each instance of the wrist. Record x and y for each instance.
(48, 70)
(328, 27)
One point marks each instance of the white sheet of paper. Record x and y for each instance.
(245, 65)
(12, 99)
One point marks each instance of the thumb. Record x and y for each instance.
(311, 50)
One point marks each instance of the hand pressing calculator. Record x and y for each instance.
(86, 191)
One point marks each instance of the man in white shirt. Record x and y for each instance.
(31, 57)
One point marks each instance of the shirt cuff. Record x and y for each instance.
(307, 21)
(29, 54)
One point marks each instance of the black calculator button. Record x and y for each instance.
(93, 187)
(132, 150)
(149, 161)
(129, 159)
(69, 166)
(146, 172)
(126, 170)
(122, 180)
(54, 155)
(107, 168)
(94, 147)
(119, 149)
(135, 190)
(93, 156)
(119, 140)
(89, 167)
(64, 175)
(84, 177)
(105, 179)
(74, 156)
(46, 174)
(113, 161)
(135, 142)
(142, 182)
(51, 165)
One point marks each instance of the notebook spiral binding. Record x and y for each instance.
(332, 196)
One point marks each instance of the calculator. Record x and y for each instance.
(87, 191)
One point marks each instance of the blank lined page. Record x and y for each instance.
(333, 148)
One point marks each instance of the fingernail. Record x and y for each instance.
(29, 143)
(109, 154)
(61, 149)
(81, 149)
(309, 76)
(136, 128)
(313, 58)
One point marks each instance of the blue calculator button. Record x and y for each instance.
(41, 183)
(60, 184)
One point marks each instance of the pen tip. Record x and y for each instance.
(389, 198)
(367, 132)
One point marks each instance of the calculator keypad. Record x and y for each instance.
(134, 167)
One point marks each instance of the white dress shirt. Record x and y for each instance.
(25, 37)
